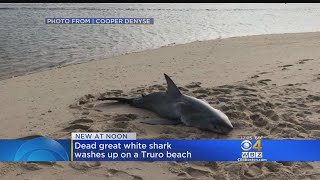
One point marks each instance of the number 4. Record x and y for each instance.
(257, 145)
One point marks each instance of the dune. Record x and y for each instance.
(267, 85)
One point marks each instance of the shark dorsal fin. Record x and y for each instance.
(172, 88)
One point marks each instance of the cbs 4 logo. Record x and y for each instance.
(246, 145)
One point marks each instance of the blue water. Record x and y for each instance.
(28, 44)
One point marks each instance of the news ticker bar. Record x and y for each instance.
(45, 149)
(101, 21)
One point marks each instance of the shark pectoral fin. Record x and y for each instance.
(185, 112)
(160, 122)
(182, 108)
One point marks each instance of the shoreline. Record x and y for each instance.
(50, 67)
(213, 63)
(269, 86)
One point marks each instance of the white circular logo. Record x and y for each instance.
(246, 145)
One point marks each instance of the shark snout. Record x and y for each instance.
(228, 127)
(222, 123)
(222, 126)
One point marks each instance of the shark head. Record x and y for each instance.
(202, 115)
(219, 122)
(198, 113)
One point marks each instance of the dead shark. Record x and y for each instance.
(179, 108)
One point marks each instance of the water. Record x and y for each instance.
(28, 44)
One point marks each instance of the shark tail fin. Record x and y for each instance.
(172, 89)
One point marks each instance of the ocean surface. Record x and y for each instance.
(28, 44)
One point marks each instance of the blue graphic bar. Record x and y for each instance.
(198, 150)
(101, 21)
(45, 149)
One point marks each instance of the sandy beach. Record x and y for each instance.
(270, 85)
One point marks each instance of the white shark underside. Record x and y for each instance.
(179, 108)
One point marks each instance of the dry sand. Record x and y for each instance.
(270, 85)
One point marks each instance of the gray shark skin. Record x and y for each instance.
(179, 108)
